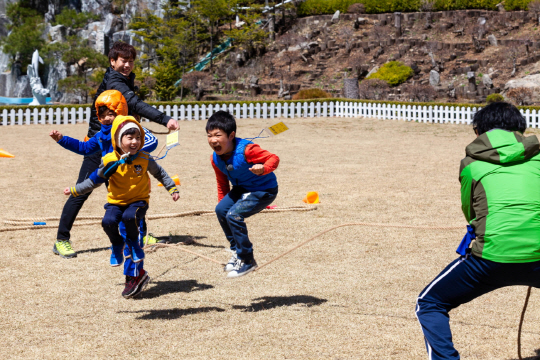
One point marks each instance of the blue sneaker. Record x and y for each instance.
(117, 255)
(241, 268)
(137, 253)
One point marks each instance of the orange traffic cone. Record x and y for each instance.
(175, 178)
(4, 153)
(312, 197)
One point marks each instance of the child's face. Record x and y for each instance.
(108, 118)
(131, 143)
(220, 142)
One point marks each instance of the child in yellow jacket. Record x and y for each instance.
(127, 169)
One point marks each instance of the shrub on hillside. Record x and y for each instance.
(373, 89)
(494, 98)
(311, 94)
(357, 9)
(393, 72)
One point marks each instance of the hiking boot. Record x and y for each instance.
(135, 284)
(149, 239)
(64, 249)
(242, 268)
(117, 255)
(230, 265)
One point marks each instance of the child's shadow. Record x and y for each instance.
(536, 357)
(171, 314)
(186, 240)
(170, 287)
(93, 250)
(270, 302)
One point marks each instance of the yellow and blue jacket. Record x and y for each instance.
(127, 176)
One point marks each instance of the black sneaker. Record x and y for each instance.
(135, 285)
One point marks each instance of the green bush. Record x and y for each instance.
(494, 98)
(393, 72)
(311, 94)
(320, 7)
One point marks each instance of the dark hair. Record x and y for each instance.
(132, 131)
(222, 120)
(103, 111)
(499, 115)
(122, 49)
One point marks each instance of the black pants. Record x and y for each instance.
(131, 215)
(74, 204)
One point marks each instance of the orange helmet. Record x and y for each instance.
(114, 100)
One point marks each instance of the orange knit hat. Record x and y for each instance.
(114, 100)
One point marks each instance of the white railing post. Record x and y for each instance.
(182, 112)
(20, 117)
(12, 117)
(272, 110)
(258, 111)
(238, 112)
(175, 112)
(189, 112)
(28, 117)
(197, 111)
(264, 110)
(37, 120)
(305, 108)
(4, 117)
(318, 109)
(251, 111)
(331, 109)
(204, 112)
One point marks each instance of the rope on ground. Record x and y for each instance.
(152, 248)
(361, 224)
(19, 223)
(521, 321)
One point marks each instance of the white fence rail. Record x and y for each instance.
(426, 114)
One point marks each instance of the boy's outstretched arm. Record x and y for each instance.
(79, 147)
(93, 181)
(161, 175)
(264, 161)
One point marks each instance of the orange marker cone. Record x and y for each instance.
(4, 153)
(312, 197)
(175, 178)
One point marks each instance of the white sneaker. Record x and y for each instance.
(241, 268)
(231, 263)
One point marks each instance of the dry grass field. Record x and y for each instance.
(350, 294)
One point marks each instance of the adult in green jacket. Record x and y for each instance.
(500, 198)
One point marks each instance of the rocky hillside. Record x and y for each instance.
(463, 55)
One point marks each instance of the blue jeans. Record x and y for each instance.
(465, 279)
(231, 211)
(126, 224)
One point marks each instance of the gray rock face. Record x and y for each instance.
(529, 81)
(58, 33)
(127, 36)
(434, 78)
(486, 80)
(335, 18)
(492, 40)
(254, 80)
(11, 87)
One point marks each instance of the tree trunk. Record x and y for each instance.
(397, 23)
(182, 84)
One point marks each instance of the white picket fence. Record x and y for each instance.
(426, 114)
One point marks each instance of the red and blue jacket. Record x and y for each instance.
(234, 168)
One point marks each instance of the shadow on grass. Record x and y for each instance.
(270, 302)
(172, 314)
(93, 250)
(170, 287)
(188, 240)
(536, 357)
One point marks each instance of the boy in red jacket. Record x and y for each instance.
(254, 186)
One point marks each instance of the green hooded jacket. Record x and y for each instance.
(500, 196)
